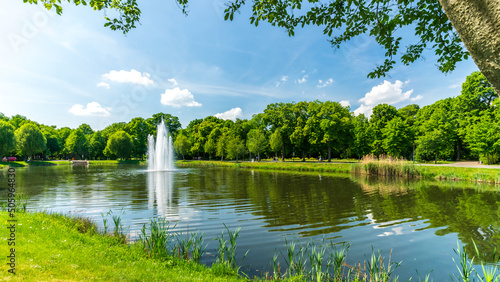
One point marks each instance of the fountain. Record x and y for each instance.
(160, 153)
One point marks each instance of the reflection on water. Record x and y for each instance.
(420, 221)
(160, 189)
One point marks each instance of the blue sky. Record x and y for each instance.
(68, 70)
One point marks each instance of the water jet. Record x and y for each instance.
(160, 152)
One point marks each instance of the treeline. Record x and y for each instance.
(463, 127)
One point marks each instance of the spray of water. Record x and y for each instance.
(160, 152)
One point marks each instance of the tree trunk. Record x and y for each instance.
(488, 158)
(477, 22)
(283, 152)
(258, 157)
(458, 150)
(303, 156)
(329, 152)
(436, 160)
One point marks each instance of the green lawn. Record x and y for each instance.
(51, 248)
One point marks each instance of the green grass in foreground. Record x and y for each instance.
(53, 248)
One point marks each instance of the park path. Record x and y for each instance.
(465, 164)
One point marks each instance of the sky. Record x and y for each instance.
(67, 70)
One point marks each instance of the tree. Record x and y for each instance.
(437, 130)
(484, 136)
(182, 145)
(299, 136)
(382, 114)
(119, 144)
(256, 142)
(396, 137)
(222, 143)
(361, 136)
(30, 140)
(210, 146)
(3, 117)
(7, 138)
(276, 141)
(476, 21)
(86, 129)
(279, 116)
(97, 145)
(77, 143)
(334, 123)
(18, 120)
(139, 128)
(235, 148)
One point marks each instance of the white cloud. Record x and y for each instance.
(93, 109)
(325, 84)
(363, 109)
(419, 97)
(386, 92)
(178, 98)
(174, 82)
(103, 84)
(345, 103)
(303, 79)
(283, 79)
(232, 114)
(132, 76)
(456, 85)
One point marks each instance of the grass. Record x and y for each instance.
(368, 166)
(66, 162)
(53, 247)
(286, 166)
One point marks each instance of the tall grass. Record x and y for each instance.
(226, 251)
(327, 262)
(386, 166)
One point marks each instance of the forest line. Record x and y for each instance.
(462, 127)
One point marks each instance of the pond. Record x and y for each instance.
(420, 221)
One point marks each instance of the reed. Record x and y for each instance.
(156, 238)
(386, 166)
(226, 251)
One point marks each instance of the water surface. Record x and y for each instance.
(421, 222)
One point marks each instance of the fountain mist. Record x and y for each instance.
(160, 153)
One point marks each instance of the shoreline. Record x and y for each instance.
(420, 171)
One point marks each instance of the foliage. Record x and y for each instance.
(235, 148)
(257, 142)
(396, 137)
(77, 143)
(182, 145)
(139, 129)
(30, 140)
(97, 145)
(119, 144)
(7, 138)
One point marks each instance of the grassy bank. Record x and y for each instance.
(406, 169)
(386, 168)
(54, 248)
(66, 162)
(291, 166)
